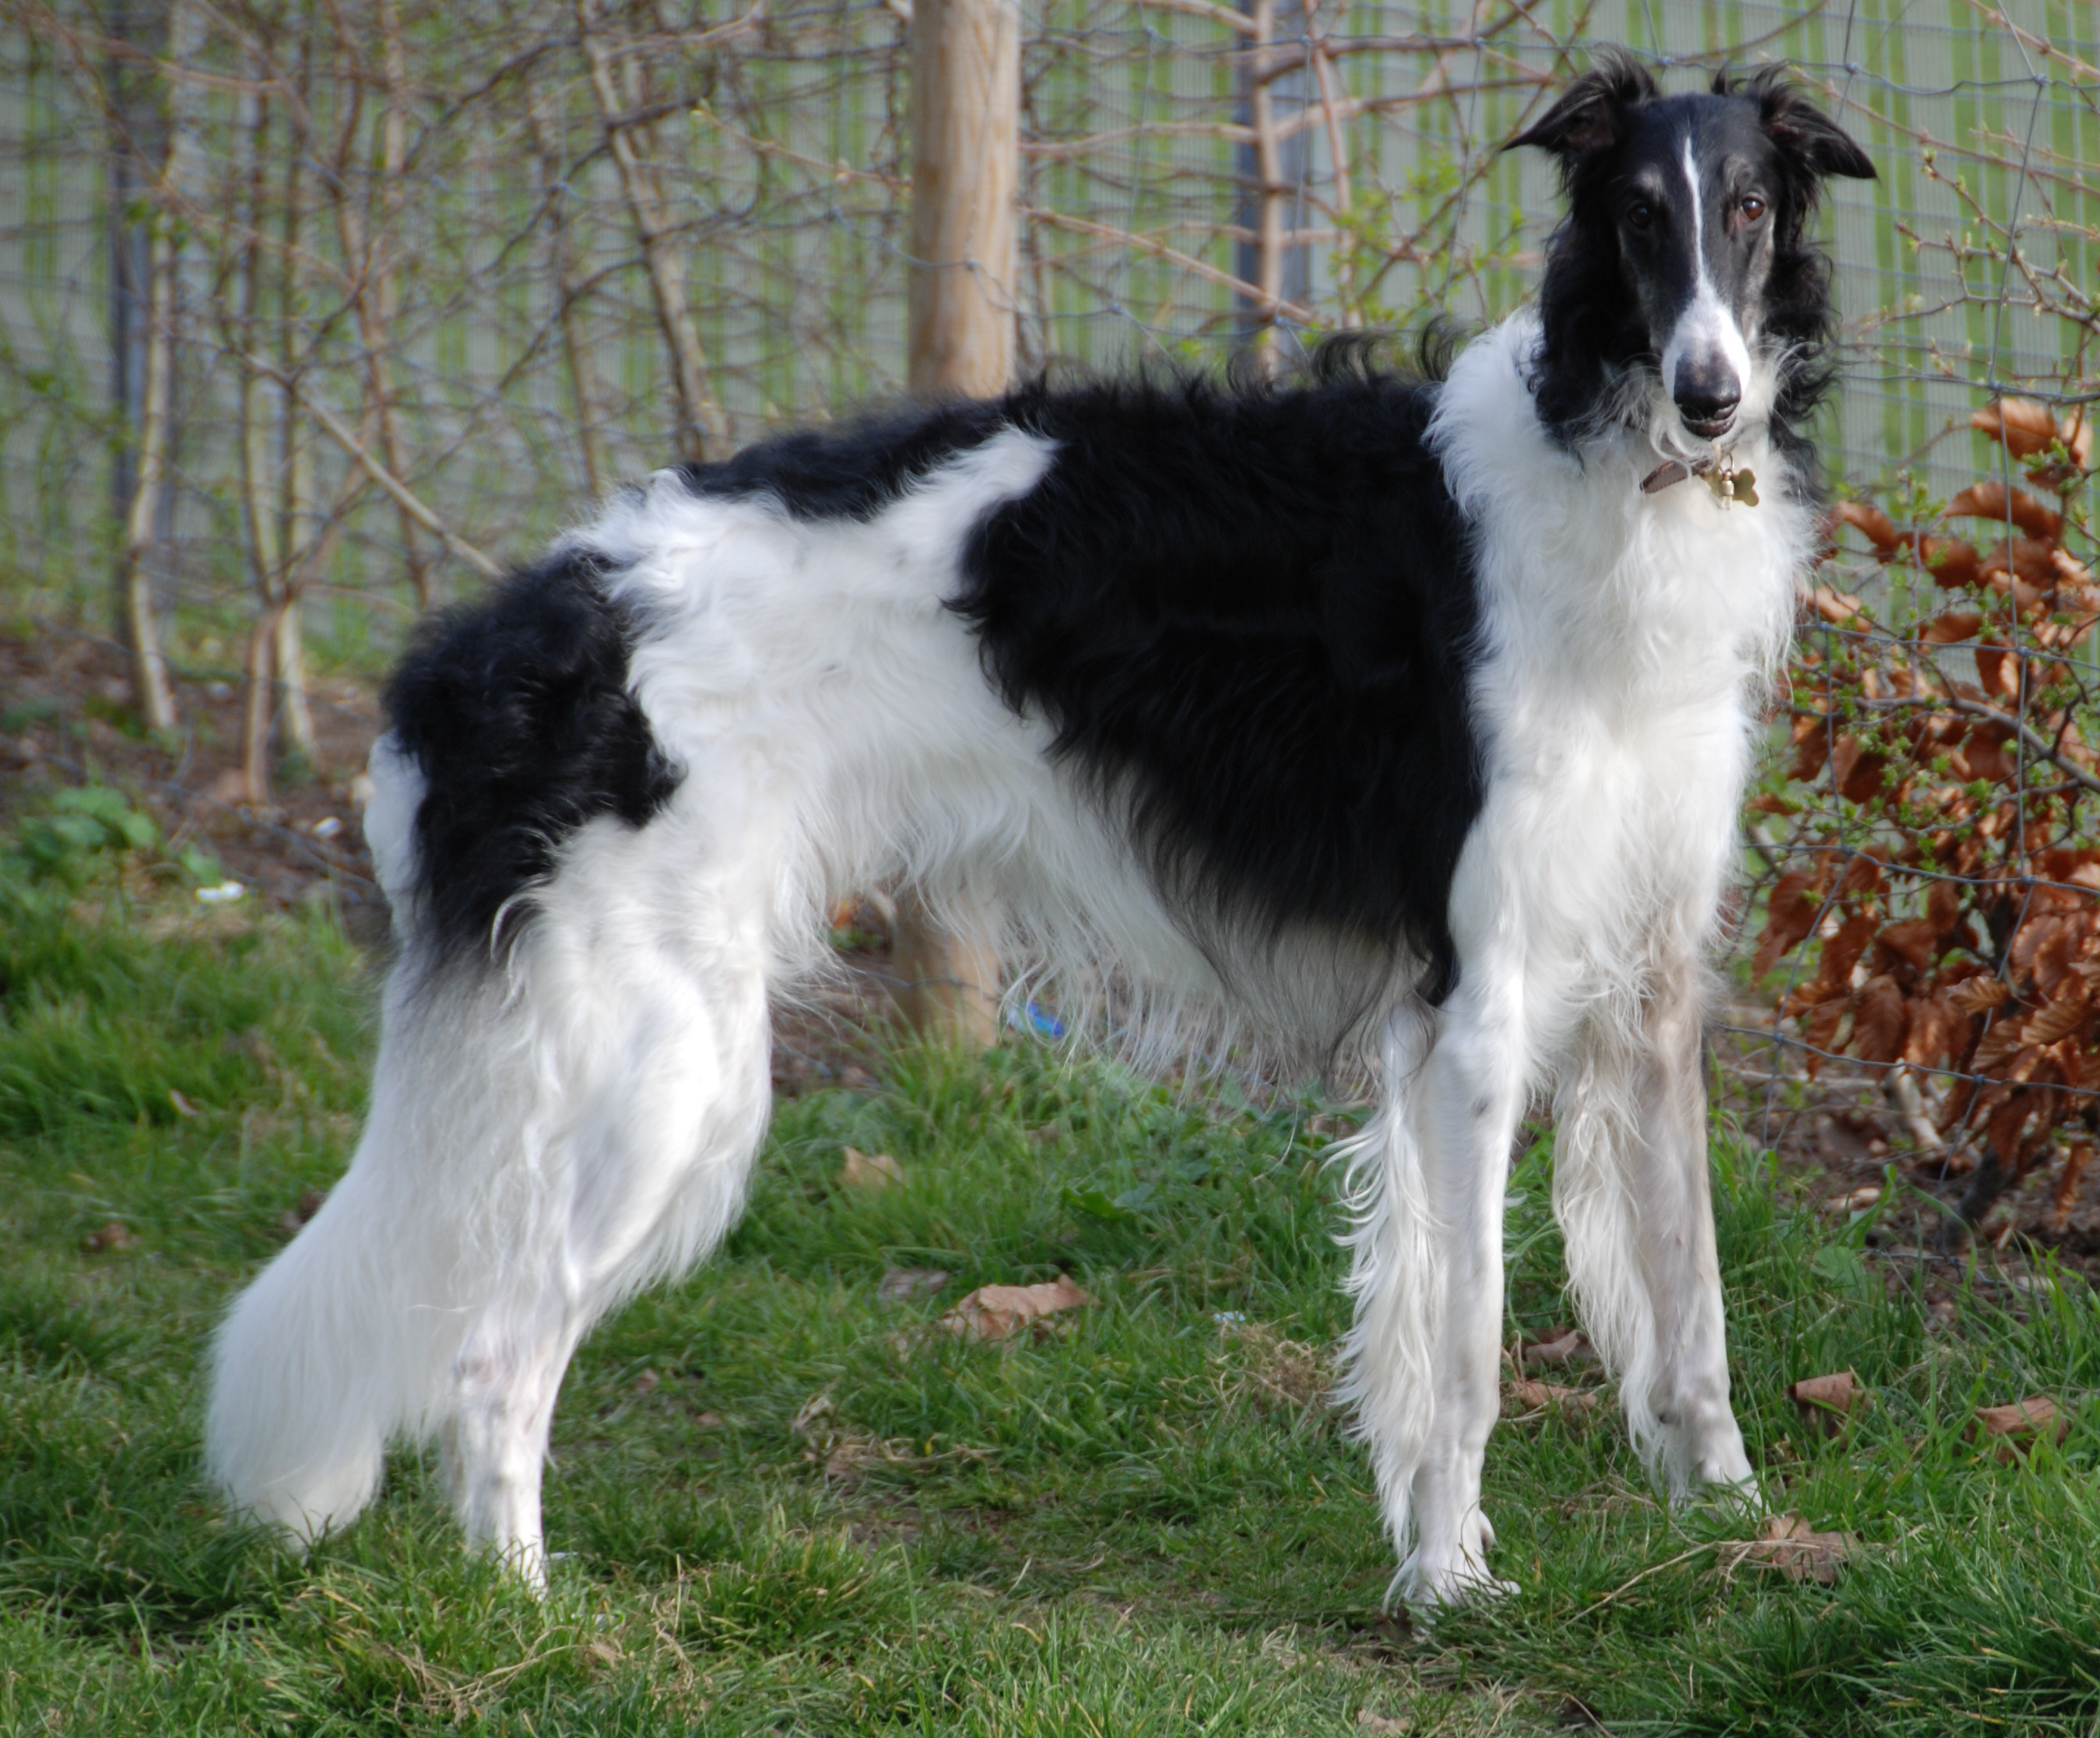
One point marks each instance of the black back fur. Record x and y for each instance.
(1248, 615)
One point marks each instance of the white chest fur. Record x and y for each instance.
(1624, 637)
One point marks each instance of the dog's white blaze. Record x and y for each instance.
(1706, 329)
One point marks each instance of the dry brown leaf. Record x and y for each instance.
(1836, 607)
(1977, 995)
(2024, 426)
(1856, 770)
(2000, 1043)
(114, 1235)
(1788, 1543)
(1950, 627)
(1827, 1401)
(1538, 1396)
(1914, 942)
(994, 1311)
(900, 1283)
(1951, 562)
(1866, 517)
(1852, 1200)
(868, 1170)
(1557, 1348)
(1879, 1019)
(2062, 1017)
(1994, 500)
(1937, 1032)
(2019, 1427)
(1382, 1726)
(1810, 737)
(1790, 913)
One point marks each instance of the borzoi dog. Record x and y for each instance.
(1408, 711)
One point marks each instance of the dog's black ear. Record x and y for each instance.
(1811, 140)
(1587, 118)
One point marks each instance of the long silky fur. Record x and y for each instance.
(1376, 719)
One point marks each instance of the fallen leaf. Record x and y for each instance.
(647, 1382)
(1539, 1396)
(114, 1235)
(868, 1170)
(900, 1283)
(2019, 1425)
(1826, 1401)
(994, 1311)
(1789, 1544)
(1382, 1724)
(1557, 1347)
(1853, 1200)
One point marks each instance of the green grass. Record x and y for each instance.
(785, 1506)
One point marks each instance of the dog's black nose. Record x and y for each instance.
(1707, 398)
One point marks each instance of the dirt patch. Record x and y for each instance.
(69, 722)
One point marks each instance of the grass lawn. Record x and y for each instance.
(785, 1505)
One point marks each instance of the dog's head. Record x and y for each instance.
(1682, 275)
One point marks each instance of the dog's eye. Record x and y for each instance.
(1751, 206)
(1640, 215)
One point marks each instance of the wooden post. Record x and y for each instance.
(965, 172)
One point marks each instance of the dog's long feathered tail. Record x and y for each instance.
(347, 1338)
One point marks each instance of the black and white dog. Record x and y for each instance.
(1410, 711)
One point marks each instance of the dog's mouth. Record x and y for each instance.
(1711, 428)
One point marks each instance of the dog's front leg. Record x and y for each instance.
(1633, 1194)
(1426, 1348)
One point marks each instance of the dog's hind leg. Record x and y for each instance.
(654, 1042)
(1633, 1194)
(546, 1136)
(1425, 1350)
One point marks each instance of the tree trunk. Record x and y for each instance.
(259, 509)
(151, 690)
(146, 359)
(965, 170)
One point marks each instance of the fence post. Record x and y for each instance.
(965, 172)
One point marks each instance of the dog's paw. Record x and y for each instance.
(1449, 1580)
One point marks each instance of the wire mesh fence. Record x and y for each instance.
(522, 251)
